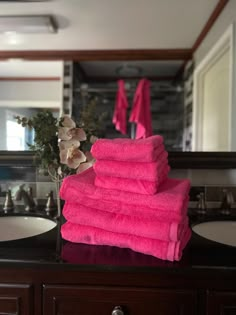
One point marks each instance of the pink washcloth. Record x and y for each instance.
(171, 195)
(118, 207)
(95, 236)
(141, 112)
(119, 116)
(151, 171)
(142, 150)
(132, 185)
(121, 223)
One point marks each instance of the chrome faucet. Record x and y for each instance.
(227, 202)
(27, 198)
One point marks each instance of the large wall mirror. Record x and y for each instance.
(96, 75)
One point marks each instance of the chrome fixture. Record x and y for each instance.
(8, 204)
(27, 198)
(227, 202)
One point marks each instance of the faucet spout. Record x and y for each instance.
(21, 194)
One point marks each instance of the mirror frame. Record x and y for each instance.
(179, 160)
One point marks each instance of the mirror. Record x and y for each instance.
(27, 87)
(96, 75)
(98, 79)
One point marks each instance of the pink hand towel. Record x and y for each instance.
(132, 185)
(141, 112)
(142, 150)
(117, 207)
(151, 171)
(95, 236)
(119, 116)
(121, 223)
(171, 195)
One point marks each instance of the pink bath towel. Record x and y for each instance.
(152, 171)
(170, 197)
(121, 223)
(141, 112)
(117, 207)
(141, 150)
(95, 236)
(120, 111)
(132, 185)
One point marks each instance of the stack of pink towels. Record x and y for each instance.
(127, 200)
(138, 166)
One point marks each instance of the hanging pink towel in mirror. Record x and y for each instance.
(140, 113)
(120, 112)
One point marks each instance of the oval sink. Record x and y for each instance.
(18, 227)
(223, 232)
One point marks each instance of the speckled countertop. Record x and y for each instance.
(49, 249)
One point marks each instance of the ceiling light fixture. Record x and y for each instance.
(27, 24)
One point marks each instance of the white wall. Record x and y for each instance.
(227, 17)
(31, 93)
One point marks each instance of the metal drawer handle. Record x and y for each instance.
(117, 311)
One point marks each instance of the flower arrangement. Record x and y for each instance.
(60, 145)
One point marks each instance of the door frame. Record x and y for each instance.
(226, 42)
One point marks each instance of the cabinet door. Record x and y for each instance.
(221, 303)
(16, 299)
(86, 300)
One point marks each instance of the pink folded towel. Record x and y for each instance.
(132, 185)
(121, 223)
(141, 111)
(95, 236)
(151, 171)
(118, 207)
(171, 195)
(141, 150)
(120, 111)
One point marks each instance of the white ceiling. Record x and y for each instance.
(113, 24)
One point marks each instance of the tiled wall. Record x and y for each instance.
(11, 177)
(210, 181)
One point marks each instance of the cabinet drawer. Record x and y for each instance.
(221, 303)
(16, 299)
(88, 300)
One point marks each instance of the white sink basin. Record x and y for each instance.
(18, 227)
(223, 232)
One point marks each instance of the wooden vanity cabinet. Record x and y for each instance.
(221, 303)
(16, 299)
(100, 300)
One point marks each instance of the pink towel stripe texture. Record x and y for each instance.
(122, 223)
(95, 236)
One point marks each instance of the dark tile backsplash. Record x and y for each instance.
(215, 193)
(195, 191)
(17, 173)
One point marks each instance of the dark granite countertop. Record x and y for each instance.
(50, 250)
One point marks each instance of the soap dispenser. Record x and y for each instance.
(8, 204)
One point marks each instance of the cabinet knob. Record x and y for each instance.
(117, 311)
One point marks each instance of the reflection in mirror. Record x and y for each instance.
(99, 79)
(27, 87)
(13, 136)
